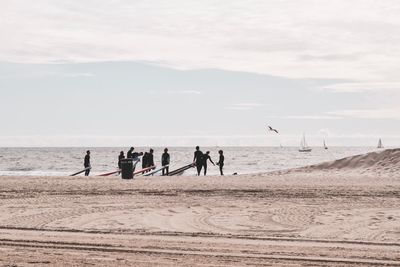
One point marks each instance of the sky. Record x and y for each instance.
(182, 73)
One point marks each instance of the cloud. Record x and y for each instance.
(243, 106)
(305, 38)
(311, 117)
(363, 87)
(331, 57)
(86, 74)
(393, 113)
(186, 92)
(306, 117)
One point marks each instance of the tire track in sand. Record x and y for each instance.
(107, 248)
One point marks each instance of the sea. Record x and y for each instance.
(241, 160)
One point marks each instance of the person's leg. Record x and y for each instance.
(163, 172)
(87, 172)
(198, 169)
(205, 169)
(221, 169)
(167, 170)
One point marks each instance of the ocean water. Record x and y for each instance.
(242, 160)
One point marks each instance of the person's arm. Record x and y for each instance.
(194, 159)
(211, 160)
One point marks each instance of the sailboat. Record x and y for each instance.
(325, 147)
(304, 146)
(380, 145)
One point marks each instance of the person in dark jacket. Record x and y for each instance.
(120, 158)
(165, 159)
(206, 157)
(198, 159)
(129, 154)
(145, 160)
(150, 159)
(86, 163)
(220, 163)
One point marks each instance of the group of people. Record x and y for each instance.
(147, 158)
(200, 160)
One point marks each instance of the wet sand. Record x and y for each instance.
(298, 218)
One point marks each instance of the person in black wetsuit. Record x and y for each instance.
(206, 157)
(220, 163)
(198, 159)
(129, 153)
(165, 159)
(148, 159)
(145, 160)
(86, 163)
(120, 157)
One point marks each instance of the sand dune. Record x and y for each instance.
(378, 163)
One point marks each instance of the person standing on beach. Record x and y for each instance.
(86, 163)
(148, 159)
(145, 160)
(120, 158)
(198, 159)
(220, 163)
(129, 155)
(165, 159)
(206, 157)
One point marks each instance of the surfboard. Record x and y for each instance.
(135, 163)
(155, 171)
(109, 173)
(82, 171)
(181, 170)
(144, 170)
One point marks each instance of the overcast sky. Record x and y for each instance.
(156, 72)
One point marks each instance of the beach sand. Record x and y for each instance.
(324, 215)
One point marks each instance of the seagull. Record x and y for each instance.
(273, 130)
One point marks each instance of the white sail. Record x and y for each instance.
(303, 145)
(380, 145)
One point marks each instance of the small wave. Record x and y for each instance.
(20, 169)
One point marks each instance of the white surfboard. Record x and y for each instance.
(156, 171)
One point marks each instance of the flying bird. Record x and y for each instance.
(272, 129)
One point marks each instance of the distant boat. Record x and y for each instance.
(304, 146)
(380, 145)
(325, 146)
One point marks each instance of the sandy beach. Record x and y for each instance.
(327, 215)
